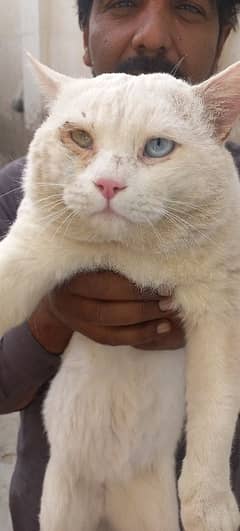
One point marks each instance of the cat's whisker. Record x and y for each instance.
(47, 184)
(50, 222)
(178, 215)
(156, 234)
(61, 225)
(50, 208)
(50, 205)
(11, 191)
(174, 219)
(52, 218)
(186, 225)
(177, 66)
(202, 215)
(68, 222)
(48, 199)
(177, 201)
(52, 213)
(188, 207)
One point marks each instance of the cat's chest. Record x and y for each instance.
(146, 269)
(119, 400)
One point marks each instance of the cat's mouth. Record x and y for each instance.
(108, 212)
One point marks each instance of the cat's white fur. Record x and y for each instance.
(114, 415)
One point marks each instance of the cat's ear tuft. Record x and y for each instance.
(221, 98)
(50, 82)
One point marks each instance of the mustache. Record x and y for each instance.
(151, 65)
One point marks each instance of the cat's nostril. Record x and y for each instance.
(109, 187)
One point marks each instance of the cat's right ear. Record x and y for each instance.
(50, 82)
(220, 96)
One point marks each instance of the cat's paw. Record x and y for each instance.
(204, 509)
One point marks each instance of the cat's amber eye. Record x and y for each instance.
(82, 138)
(158, 147)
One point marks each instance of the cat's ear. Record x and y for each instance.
(50, 82)
(221, 98)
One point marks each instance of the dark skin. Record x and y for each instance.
(105, 306)
(179, 30)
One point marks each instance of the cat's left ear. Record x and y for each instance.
(50, 81)
(221, 98)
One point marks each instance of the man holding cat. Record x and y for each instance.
(133, 36)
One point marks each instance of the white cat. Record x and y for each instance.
(131, 174)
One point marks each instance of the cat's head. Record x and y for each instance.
(137, 160)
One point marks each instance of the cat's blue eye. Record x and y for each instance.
(158, 147)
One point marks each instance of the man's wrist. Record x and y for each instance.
(48, 330)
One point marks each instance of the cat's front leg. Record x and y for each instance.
(29, 263)
(213, 400)
(147, 502)
(68, 502)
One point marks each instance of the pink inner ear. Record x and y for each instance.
(225, 111)
(221, 98)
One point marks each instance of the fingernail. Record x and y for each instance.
(163, 327)
(165, 305)
(165, 291)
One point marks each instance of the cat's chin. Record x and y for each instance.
(110, 225)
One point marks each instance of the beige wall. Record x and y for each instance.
(12, 131)
(49, 29)
(56, 40)
(61, 36)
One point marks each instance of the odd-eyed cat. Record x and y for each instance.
(131, 174)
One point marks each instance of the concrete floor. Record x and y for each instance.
(8, 438)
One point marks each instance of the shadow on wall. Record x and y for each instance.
(14, 138)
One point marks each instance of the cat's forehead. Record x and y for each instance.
(122, 95)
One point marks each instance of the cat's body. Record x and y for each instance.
(114, 415)
(120, 425)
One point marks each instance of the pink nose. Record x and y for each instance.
(109, 187)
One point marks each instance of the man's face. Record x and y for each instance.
(136, 36)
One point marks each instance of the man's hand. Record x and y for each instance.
(108, 309)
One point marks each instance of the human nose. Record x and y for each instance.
(153, 34)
